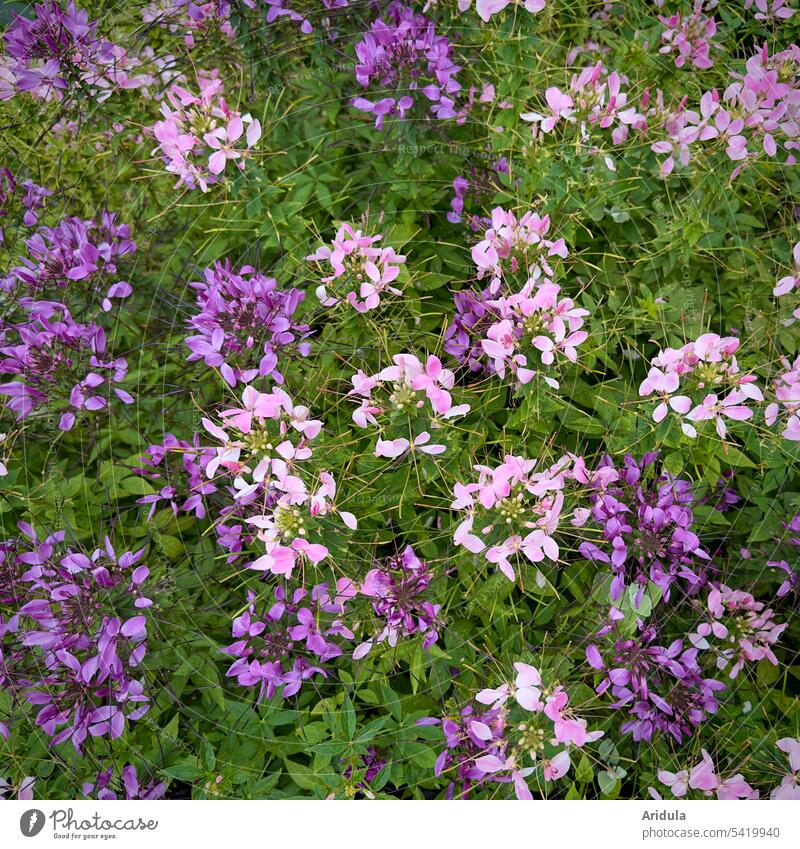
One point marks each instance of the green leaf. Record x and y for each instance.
(584, 773)
(207, 756)
(183, 771)
(608, 782)
(349, 716)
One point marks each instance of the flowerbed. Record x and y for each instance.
(400, 400)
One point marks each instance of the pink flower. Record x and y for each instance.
(712, 409)
(702, 776)
(557, 767)
(527, 685)
(561, 106)
(678, 782)
(487, 8)
(356, 261)
(789, 787)
(790, 282)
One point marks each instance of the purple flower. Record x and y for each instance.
(103, 787)
(57, 365)
(647, 529)
(29, 195)
(404, 55)
(182, 466)
(245, 322)
(280, 647)
(396, 585)
(662, 689)
(74, 251)
(79, 631)
(58, 53)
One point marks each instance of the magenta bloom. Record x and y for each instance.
(74, 253)
(82, 620)
(107, 785)
(662, 688)
(398, 588)
(647, 523)
(690, 36)
(404, 55)
(245, 322)
(278, 648)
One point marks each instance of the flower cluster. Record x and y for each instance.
(366, 271)
(277, 648)
(647, 522)
(690, 36)
(662, 688)
(514, 245)
(58, 365)
(533, 320)
(244, 322)
(595, 99)
(59, 52)
(508, 501)
(404, 383)
(746, 629)
(701, 382)
(472, 318)
(397, 586)
(526, 722)
(199, 134)
(75, 251)
(82, 620)
(264, 443)
(292, 513)
(403, 54)
(758, 112)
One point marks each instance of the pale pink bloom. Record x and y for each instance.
(735, 787)
(789, 787)
(391, 448)
(487, 8)
(280, 561)
(561, 106)
(702, 776)
(527, 685)
(791, 281)
(494, 697)
(464, 536)
(557, 767)
(713, 409)
(678, 782)
(313, 551)
(435, 380)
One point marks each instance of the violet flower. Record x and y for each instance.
(403, 54)
(245, 323)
